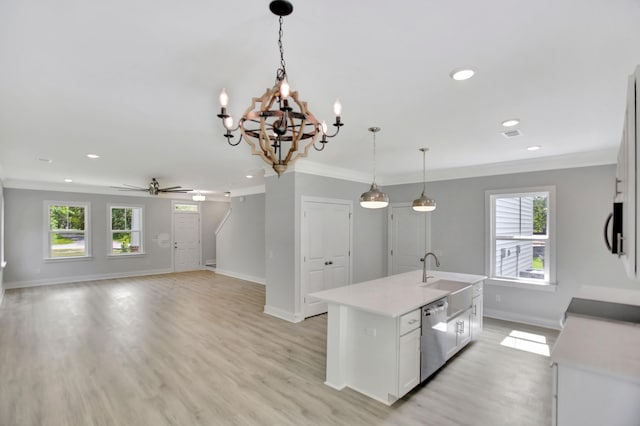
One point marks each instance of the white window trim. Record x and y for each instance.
(142, 252)
(490, 195)
(47, 230)
(175, 203)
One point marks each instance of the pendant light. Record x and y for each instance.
(424, 203)
(374, 198)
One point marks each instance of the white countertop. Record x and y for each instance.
(395, 295)
(601, 346)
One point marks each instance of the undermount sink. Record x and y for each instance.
(459, 297)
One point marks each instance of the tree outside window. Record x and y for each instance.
(68, 234)
(126, 230)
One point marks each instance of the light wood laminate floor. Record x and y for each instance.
(196, 349)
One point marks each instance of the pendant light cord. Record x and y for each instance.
(424, 171)
(374, 157)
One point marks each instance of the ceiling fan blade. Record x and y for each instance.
(182, 191)
(122, 188)
(169, 188)
(133, 186)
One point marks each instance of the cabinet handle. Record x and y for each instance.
(413, 321)
(618, 192)
(620, 250)
(475, 310)
(461, 327)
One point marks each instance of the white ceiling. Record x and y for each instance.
(136, 82)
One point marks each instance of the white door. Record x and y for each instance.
(186, 241)
(326, 248)
(408, 237)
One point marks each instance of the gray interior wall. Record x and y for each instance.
(283, 209)
(280, 226)
(240, 247)
(2, 234)
(583, 201)
(212, 214)
(24, 244)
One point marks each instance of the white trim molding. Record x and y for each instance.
(283, 315)
(83, 278)
(523, 319)
(251, 278)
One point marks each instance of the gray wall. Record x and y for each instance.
(240, 247)
(283, 208)
(583, 201)
(2, 235)
(212, 214)
(25, 228)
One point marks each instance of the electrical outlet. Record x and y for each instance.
(498, 299)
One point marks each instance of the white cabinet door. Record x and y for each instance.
(408, 236)
(409, 362)
(326, 246)
(476, 316)
(458, 333)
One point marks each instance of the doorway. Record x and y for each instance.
(326, 240)
(409, 234)
(186, 236)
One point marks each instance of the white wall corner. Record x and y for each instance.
(524, 319)
(282, 314)
(1, 295)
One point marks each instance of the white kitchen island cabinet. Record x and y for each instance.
(374, 331)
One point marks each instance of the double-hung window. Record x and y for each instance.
(521, 235)
(125, 230)
(68, 230)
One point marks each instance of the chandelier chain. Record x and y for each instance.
(424, 171)
(282, 72)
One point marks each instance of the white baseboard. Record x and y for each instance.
(282, 314)
(210, 262)
(524, 319)
(232, 274)
(83, 278)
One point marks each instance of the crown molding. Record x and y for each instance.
(568, 161)
(313, 168)
(258, 189)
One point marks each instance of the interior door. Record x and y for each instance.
(326, 247)
(409, 238)
(186, 241)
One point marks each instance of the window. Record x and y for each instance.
(522, 235)
(68, 230)
(126, 230)
(185, 208)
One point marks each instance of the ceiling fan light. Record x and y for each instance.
(374, 198)
(198, 197)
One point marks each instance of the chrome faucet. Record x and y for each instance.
(424, 265)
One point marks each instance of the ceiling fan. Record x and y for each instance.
(154, 188)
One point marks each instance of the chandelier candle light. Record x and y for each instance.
(374, 198)
(424, 203)
(279, 119)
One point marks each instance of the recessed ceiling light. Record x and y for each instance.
(45, 160)
(534, 147)
(511, 122)
(68, 180)
(249, 176)
(462, 74)
(93, 156)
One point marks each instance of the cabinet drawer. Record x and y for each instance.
(477, 288)
(410, 321)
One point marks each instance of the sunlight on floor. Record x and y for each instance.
(527, 342)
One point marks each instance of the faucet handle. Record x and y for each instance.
(422, 259)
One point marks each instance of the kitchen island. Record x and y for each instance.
(373, 330)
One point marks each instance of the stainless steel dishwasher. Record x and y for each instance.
(434, 334)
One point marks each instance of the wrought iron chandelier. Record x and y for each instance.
(277, 125)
